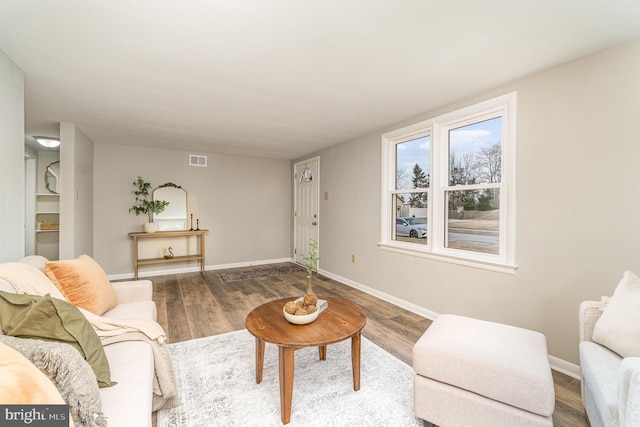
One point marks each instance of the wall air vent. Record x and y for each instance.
(195, 160)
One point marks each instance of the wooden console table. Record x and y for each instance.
(182, 233)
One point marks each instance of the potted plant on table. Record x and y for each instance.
(311, 259)
(145, 203)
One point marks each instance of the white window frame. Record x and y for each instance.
(437, 128)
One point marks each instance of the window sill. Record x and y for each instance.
(484, 264)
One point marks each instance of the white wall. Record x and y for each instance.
(76, 192)
(30, 166)
(577, 196)
(244, 202)
(12, 178)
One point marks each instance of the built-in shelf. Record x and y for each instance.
(48, 210)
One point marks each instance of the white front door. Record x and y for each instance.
(306, 215)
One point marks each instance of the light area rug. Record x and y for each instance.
(215, 378)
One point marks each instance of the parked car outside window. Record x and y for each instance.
(411, 227)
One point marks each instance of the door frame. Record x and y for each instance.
(295, 204)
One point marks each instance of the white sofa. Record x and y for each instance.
(610, 383)
(129, 402)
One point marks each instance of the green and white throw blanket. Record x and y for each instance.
(27, 279)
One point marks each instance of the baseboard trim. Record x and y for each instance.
(196, 269)
(421, 311)
(564, 367)
(151, 273)
(556, 363)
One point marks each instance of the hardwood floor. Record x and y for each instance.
(193, 305)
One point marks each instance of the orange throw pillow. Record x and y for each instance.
(83, 282)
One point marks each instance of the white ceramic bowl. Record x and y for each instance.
(301, 320)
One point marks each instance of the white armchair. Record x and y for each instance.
(610, 383)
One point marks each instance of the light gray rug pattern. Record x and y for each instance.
(238, 274)
(215, 377)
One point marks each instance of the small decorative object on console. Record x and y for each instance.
(167, 253)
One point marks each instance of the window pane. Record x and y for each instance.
(410, 222)
(474, 153)
(306, 176)
(473, 221)
(413, 159)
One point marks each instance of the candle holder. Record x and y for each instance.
(191, 229)
(197, 224)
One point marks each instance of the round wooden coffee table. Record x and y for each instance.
(341, 319)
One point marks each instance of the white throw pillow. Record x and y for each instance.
(619, 326)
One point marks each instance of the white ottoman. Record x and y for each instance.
(471, 372)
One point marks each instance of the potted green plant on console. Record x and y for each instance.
(145, 203)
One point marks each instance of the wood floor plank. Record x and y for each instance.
(178, 327)
(192, 305)
(160, 299)
(199, 323)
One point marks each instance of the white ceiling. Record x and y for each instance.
(281, 78)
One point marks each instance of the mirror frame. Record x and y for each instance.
(186, 200)
(46, 181)
(169, 184)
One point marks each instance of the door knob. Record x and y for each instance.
(314, 223)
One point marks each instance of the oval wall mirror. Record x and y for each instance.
(52, 177)
(174, 216)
